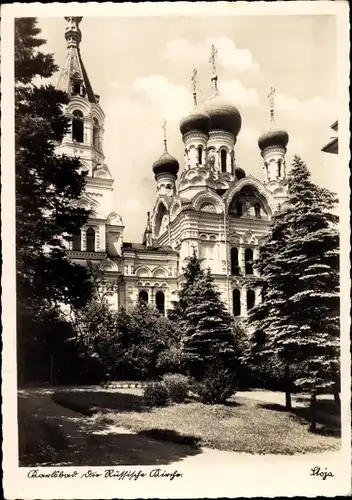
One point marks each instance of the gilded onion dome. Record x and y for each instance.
(197, 120)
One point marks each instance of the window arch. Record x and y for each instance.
(250, 299)
(143, 296)
(90, 236)
(77, 126)
(95, 134)
(236, 299)
(200, 155)
(235, 270)
(248, 257)
(76, 241)
(160, 301)
(223, 157)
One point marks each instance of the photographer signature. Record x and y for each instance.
(316, 471)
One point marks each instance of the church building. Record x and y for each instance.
(210, 205)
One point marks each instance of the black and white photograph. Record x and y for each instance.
(176, 250)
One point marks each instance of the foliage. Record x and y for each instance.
(177, 386)
(217, 385)
(207, 331)
(47, 187)
(155, 394)
(298, 319)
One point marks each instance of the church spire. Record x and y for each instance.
(73, 77)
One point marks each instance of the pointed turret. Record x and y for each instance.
(165, 170)
(148, 233)
(73, 77)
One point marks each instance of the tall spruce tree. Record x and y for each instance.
(208, 340)
(300, 264)
(46, 188)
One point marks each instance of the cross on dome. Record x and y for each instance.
(271, 100)
(165, 136)
(194, 85)
(212, 60)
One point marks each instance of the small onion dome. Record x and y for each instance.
(240, 173)
(274, 137)
(166, 164)
(223, 115)
(196, 121)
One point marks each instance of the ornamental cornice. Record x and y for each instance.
(273, 149)
(221, 134)
(84, 255)
(99, 182)
(194, 135)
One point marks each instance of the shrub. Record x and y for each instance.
(177, 386)
(216, 387)
(156, 394)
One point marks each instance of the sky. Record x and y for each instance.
(141, 68)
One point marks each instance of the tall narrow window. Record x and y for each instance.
(236, 299)
(223, 160)
(95, 134)
(248, 257)
(200, 155)
(160, 302)
(77, 127)
(239, 209)
(143, 296)
(76, 241)
(250, 299)
(234, 261)
(279, 168)
(90, 235)
(76, 88)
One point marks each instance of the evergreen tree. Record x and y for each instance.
(300, 262)
(208, 340)
(47, 187)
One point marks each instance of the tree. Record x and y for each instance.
(47, 187)
(208, 342)
(300, 262)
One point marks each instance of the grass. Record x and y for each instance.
(39, 440)
(245, 426)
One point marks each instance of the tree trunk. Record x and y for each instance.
(288, 402)
(313, 404)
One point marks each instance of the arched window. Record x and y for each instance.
(160, 301)
(76, 241)
(95, 134)
(76, 88)
(223, 160)
(279, 168)
(90, 235)
(143, 296)
(78, 126)
(257, 209)
(234, 261)
(248, 257)
(200, 155)
(250, 299)
(239, 209)
(236, 299)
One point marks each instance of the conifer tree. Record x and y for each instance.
(300, 264)
(47, 187)
(208, 340)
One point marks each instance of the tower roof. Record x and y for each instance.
(73, 71)
(274, 136)
(166, 163)
(196, 120)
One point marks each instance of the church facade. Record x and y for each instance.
(213, 207)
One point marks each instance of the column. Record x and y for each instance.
(244, 301)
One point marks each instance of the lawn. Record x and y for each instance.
(244, 425)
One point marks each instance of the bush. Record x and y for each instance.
(177, 386)
(156, 394)
(216, 387)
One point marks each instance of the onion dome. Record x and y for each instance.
(239, 173)
(196, 121)
(166, 164)
(223, 114)
(274, 137)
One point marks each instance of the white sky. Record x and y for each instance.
(141, 68)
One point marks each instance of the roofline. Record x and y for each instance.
(328, 146)
(334, 124)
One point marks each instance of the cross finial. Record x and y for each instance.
(165, 138)
(271, 94)
(212, 58)
(194, 85)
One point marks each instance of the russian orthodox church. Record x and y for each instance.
(214, 208)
